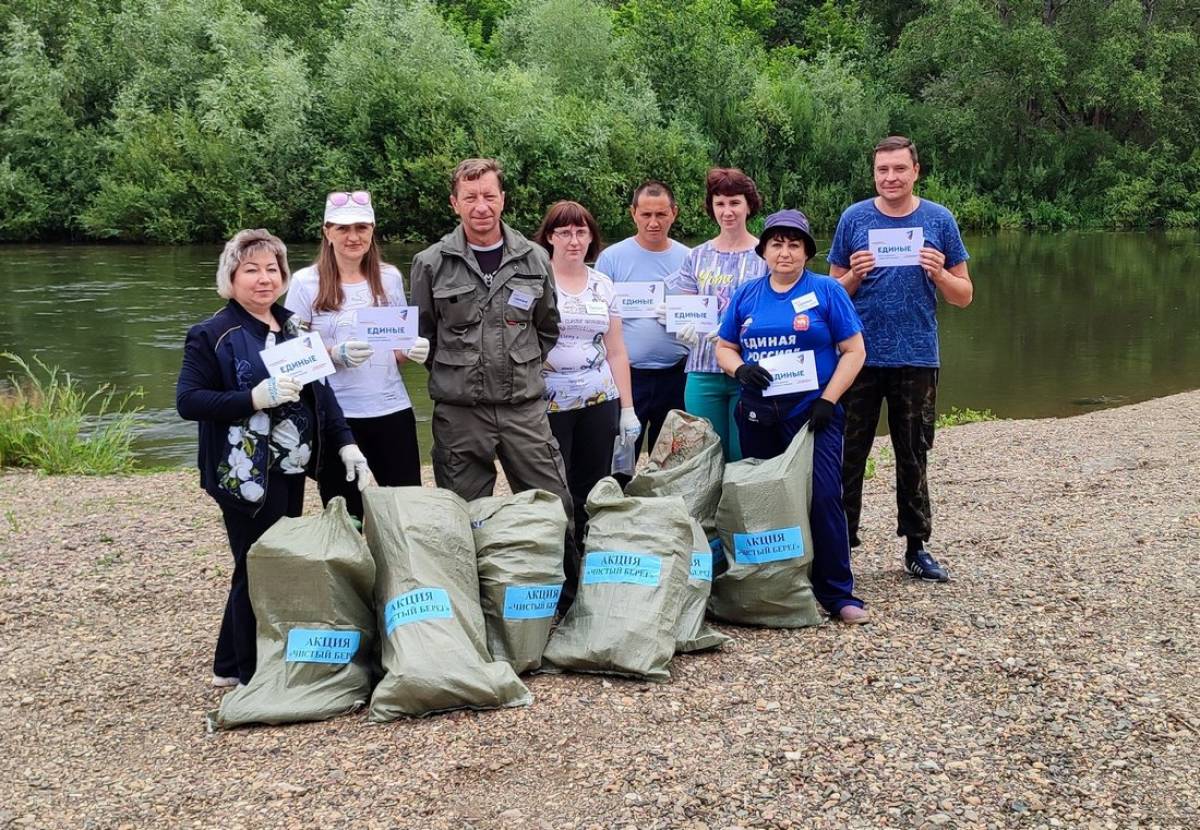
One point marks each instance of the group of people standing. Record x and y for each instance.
(532, 363)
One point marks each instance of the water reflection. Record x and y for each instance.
(1060, 323)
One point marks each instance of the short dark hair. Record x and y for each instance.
(895, 142)
(793, 234)
(468, 170)
(651, 187)
(730, 181)
(564, 213)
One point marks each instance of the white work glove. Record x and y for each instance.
(712, 336)
(660, 313)
(351, 353)
(275, 391)
(419, 352)
(631, 427)
(687, 335)
(356, 466)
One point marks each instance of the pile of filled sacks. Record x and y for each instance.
(440, 604)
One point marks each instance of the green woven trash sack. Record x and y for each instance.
(631, 587)
(763, 521)
(311, 580)
(686, 461)
(519, 553)
(692, 633)
(427, 600)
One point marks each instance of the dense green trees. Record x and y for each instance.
(175, 120)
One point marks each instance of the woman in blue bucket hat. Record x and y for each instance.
(794, 344)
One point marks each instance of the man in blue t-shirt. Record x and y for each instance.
(893, 254)
(656, 358)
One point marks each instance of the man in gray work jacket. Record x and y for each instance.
(487, 304)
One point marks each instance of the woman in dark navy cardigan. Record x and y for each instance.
(259, 435)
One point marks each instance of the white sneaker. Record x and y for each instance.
(219, 682)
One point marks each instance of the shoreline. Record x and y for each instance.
(1054, 681)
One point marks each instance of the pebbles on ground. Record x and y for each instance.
(1055, 682)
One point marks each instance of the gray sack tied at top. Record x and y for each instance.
(311, 580)
(762, 519)
(631, 587)
(427, 603)
(519, 551)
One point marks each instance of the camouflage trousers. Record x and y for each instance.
(911, 395)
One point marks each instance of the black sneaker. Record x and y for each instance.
(923, 566)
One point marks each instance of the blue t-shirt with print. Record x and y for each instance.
(763, 322)
(646, 339)
(898, 304)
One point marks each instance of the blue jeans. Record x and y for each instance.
(713, 395)
(769, 435)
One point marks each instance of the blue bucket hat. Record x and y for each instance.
(793, 219)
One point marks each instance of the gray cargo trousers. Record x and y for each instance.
(468, 439)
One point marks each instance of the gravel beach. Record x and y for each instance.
(1055, 682)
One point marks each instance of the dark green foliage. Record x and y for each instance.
(177, 120)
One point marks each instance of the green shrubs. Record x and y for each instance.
(50, 423)
(957, 417)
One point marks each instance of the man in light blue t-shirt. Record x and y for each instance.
(898, 307)
(656, 359)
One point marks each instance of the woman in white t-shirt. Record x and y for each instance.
(350, 275)
(588, 395)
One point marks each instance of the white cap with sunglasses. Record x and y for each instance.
(346, 208)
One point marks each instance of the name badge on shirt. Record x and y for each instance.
(521, 300)
(805, 302)
(596, 307)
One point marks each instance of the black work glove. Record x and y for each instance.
(820, 415)
(753, 376)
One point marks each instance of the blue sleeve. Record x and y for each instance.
(731, 321)
(199, 393)
(840, 249)
(844, 322)
(604, 264)
(952, 244)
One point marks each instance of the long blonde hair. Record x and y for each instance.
(329, 278)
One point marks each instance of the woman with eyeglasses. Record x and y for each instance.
(588, 394)
(348, 275)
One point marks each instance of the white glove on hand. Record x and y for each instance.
(660, 313)
(419, 352)
(356, 466)
(351, 353)
(687, 335)
(712, 336)
(631, 427)
(275, 391)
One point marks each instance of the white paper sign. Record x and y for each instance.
(303, 358)
(792, 372)
(638, 299)
(896, 246)
(388, 327)
(700, 311)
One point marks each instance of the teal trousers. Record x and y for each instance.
(713, 395)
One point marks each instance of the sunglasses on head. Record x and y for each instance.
(343, 198)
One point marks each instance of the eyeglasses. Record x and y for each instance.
(342, 198)
(567, 234)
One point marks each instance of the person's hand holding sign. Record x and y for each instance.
(861, 264)
(932, 260)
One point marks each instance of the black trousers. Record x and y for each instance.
(655, 393)
(585, 438)
(390, 444)
(235, 655)
(911, 395)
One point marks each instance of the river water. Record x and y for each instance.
(1061, 324)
